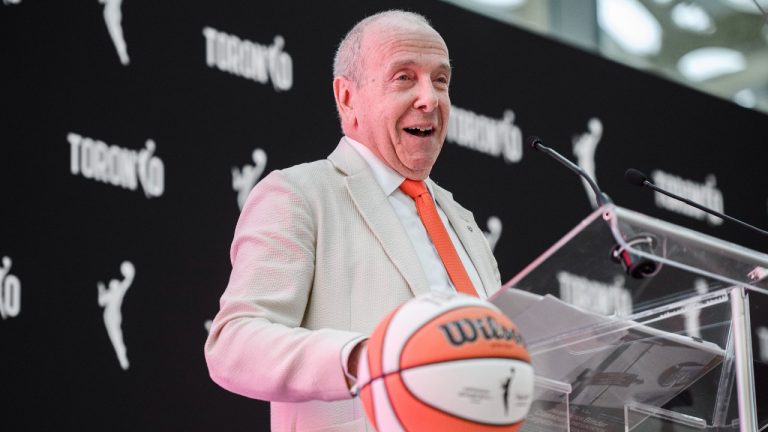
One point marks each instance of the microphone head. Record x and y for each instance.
(534, 142)
(635, 177)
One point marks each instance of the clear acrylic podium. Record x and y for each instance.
(636, 324)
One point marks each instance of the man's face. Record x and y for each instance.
(401, 105)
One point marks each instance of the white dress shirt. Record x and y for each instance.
(405, 208)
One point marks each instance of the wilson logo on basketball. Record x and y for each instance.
(467, 330)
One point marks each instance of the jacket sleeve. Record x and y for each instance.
(256, 346)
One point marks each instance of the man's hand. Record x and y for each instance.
(353, 361)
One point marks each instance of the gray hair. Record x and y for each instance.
(348, 59)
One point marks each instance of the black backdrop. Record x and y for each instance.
(63, 233)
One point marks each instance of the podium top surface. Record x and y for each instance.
(617, 247)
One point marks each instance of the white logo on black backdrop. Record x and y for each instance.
(207, 325)
(595, 296)
(706, 194)
(250, 60)
(584, 146)
(122, 167)
(111, 299)
(10, 291)
(494, 231)
(113, 17)
(691, 314)
(493, 137)
(762, 343)
(244, 179)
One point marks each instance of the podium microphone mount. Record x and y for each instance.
(635, 266)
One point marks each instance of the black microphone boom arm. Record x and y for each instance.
(637, 178)
(536, 144)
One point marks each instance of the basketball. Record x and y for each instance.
(446, 363)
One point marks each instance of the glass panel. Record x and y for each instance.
(634, 311)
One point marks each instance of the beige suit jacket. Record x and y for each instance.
(319, 257)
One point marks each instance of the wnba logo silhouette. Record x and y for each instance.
(494, 231)
(113, 17)
(505, 390)
(244, 179)
(10, 291)
(468, 330)
(111, 299)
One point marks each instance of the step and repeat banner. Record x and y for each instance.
(132, 132)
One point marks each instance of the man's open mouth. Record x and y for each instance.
(420, 132)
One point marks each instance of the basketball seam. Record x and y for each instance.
(405, 385)
(399, 370)
(408, 389)
(406, 336)
(381, 365)
(444, 361)
(399, 359)
(392, 408)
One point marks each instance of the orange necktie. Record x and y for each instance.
(437, 232)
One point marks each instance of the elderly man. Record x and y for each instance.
(324, 250)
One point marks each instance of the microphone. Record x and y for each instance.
(536, 144)
(635, 266)
(637, 178)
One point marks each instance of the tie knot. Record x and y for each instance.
(413, 188)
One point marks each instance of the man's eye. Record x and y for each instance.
(403, 77)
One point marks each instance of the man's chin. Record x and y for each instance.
(418, 171)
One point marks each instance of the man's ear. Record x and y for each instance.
(342, 92)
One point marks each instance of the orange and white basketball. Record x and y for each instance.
(446, 364)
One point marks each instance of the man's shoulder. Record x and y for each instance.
(308, 176)
(343, 161)
(306, 170)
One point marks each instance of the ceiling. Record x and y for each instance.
(717, 46)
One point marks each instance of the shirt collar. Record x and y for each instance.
(389, 179)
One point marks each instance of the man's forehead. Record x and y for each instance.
(442, 66)
(403, 44)
(388, 32)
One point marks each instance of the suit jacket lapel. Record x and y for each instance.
(379, 215)
(470, 235)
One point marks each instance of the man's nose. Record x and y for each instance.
(427, 98)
